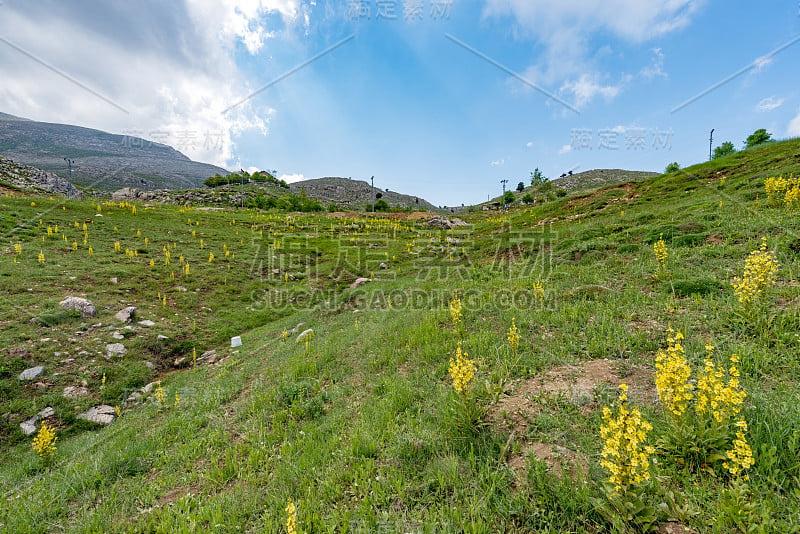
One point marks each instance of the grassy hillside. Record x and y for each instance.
(359, 423)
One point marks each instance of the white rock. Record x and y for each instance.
(75, 392)
(115, 350)
(125, 315)
(117, 335)
(82, 305)
(33, 372)
(147, 322)
(236, 341)
(304, 334)
(102, 414)
(359, 282)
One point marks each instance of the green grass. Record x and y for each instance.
(358, 427)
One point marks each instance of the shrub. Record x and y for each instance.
(723, 150)
(672, 167)
(758, 137)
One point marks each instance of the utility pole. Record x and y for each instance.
(710, 142)
(372, 181)
(504, 182)
(69, 174)
(242, 187)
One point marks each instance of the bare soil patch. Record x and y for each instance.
(577, 384)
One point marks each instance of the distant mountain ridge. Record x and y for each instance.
(103, 160)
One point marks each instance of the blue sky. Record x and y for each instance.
(405, 103)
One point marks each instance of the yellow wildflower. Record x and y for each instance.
(45, 441)
(462, 369)
(672, 376)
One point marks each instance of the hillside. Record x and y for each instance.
(398, 378)
(355, 194)
(103, 161)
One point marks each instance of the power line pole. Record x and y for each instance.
(69, 174)
(504, 182)
(710, 142)
(372, 180)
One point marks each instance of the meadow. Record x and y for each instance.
(565, 367)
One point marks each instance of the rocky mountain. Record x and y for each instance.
(102, 160)
(27, 178)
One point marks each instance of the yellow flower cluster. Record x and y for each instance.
(45, 441)
(625, 453)
(161, 396)
(461, 370)
(538, 291)
(722, 400)
(760, 271)
(788, 187)
(740, 457)
(455, 310)
(660, 248)
(291, 517)
(513, 337)
(672, 376)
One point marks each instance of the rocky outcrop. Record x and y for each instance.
(30, 178)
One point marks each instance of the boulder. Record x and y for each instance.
(82, 305)
(115, 350)
(33, 372)
(75, 392)
(306, 333)
(359, 282)
(125, 315)
(102, 414)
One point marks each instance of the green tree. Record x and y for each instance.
(537, 178)
(381, 205)
(723, 150)
(672, 167)
(756, 138)
(520, 187)
(528, 198)
(509, 197)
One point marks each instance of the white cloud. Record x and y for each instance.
(655, 69)
(291, 178)
(564, 149)
(498, 162)
(586, 88)
(529, 144)
(793, 130)
(170, 66)
(565, 29)
(769, 103)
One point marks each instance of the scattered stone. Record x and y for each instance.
(29, 426)
(115, 350)
(68, 360)
(114, 280)
(383, 266)
(161, 337)
(33, 372)
(75, 392)
(102, 414)
(304, 334)
(82, 305)
(296, 329)
(149, 365)
(84, 383)
(125, 315)
(179, 362)
(117, 335)
(148, 388)
(359, 282)
(133, 398)
(147, 322)
(236, 341)
(40, 386)
(444, 223)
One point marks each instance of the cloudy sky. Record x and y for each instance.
(433, 97)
